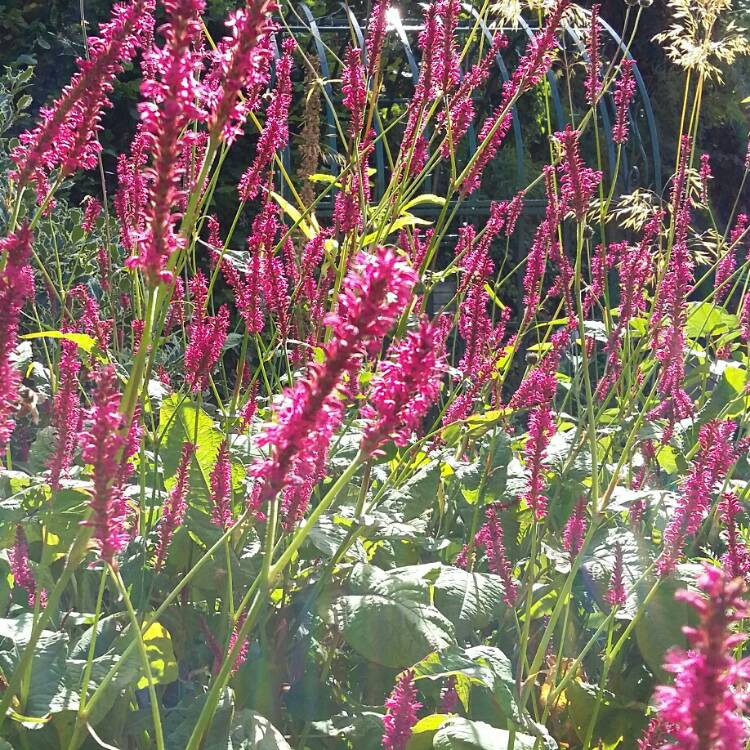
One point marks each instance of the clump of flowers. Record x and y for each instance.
(704, 707)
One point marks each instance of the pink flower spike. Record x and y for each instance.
(18, 558)
(728, 261)
(592, 64)
(376, 36)
(714, 459)
(221, 489)
(736, 560)
(541, 430)
(91, 211)
(207, 336)
(67, 135)
(705, 705)
(616, 595)
(624, 90)
(66, 412)
(492, 538)
(401, 709)
(354, 89)
(578, 182)
(404, 388)
(175, 506)
(375, 291)
(103, 443)
(16, 286)
(240, 64)
(171, 97)
(275, 133)
(575, 529)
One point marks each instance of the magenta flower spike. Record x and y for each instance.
(401, 709)
(575, 529)
(18, 558)
(492, 538)
(374, 293)
(404, 388)
(578, 182)
(221, 489)
(66, 413)
(624, 90)
(593, 84)
(67, 135)
(705, 705)
(541, 430)
(175, 506)
(103, 442)
(16, 286)
(715, 457)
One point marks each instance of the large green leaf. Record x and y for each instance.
(389, 619)
(48, 667)
(461, 734)
(660, 626)
(251, 731)
(181, 721)
(706, 319)
(419, 492)
(469, 600)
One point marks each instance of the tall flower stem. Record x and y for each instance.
(591, 423)
(269, 575)
(141, 646)
(99, 692)
(21, 673)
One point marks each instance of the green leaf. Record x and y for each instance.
(705, 319)
(181, 720)
(251, 731)
(419, 492)
(161, 656)
(469, 600)
(87, 343)
(423, 732)
(458, 733)
(403, 221)
(48, 666)
(428, 198)
(660, 627)
(309, 230)
(392, 622)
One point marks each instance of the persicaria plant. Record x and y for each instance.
(314, 450)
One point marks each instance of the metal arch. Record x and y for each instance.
(326, 73)
(556, 103)
(401, 31)
(517, 133)
(600, 105)
(655, 150)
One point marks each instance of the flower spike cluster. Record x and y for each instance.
(103, 445)
(624, 90)
(67, 135)
(175, 506)
(404, 388)
(171, 96)
(240, 64)
(16, 286)
(374, 293)
(715, 457)
(705, 705)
